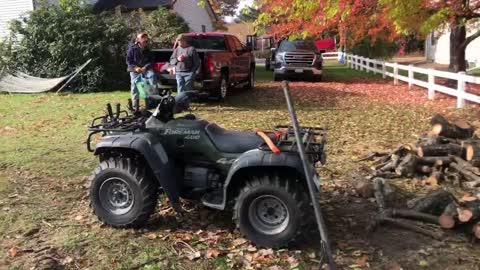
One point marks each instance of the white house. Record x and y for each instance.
(200, 19)
(437, 47)
(12, 9)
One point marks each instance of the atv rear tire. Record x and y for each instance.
(122, 194)
(271, 209)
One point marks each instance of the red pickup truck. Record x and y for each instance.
(226, 63)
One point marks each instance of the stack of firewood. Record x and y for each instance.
(449, 152)
(449, 155)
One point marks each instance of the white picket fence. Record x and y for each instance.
(393, 70)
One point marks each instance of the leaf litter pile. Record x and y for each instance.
(47, 223)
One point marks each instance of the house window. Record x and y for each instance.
(204, 28)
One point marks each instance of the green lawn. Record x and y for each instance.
(475, 72)
(44, 165)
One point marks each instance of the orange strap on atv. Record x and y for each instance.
(268, 141)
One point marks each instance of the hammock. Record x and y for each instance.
(19, 82)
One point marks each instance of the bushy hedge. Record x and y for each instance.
(380, 49)
(54, 39)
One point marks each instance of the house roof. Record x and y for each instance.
(102, 5)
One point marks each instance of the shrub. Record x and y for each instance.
(381, 49)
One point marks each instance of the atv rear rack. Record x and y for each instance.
(120, 121)
(313, 139)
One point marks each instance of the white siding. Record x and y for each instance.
(439, 50)
(194, 15)
(12, 9)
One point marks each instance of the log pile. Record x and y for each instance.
(449, 152)
(445, 158)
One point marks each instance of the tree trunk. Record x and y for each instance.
(458, 34)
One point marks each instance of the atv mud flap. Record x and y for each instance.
(312, 181)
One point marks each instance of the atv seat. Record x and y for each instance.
(229, 141)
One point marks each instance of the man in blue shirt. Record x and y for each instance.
(139, 61)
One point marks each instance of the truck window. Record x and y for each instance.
(287, 46)
(207, 42)
(238, 44)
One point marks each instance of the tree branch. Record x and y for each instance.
(470, 39)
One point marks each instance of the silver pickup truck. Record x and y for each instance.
(297, 59)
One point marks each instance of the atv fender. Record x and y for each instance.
(257, 158)
(145, 144)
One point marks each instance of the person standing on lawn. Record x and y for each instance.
(186, 61)
(139, 61)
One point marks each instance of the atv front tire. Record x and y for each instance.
(270, 210)
(122, 194)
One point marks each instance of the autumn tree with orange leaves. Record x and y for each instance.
(353, 20)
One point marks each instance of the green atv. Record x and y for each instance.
(260, 176)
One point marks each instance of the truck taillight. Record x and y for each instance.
(159, 66)
(209, 63)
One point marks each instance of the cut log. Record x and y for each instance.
(440, 126)
(470, 211)
(372, 155)
(473, 179)
(432, 161)
(476, 230)
(435, 178)
(413, 215)
(434, 202)
(438, 119)
(472, 150)
(448, 219)
(424, 169)
(407, 166)
(434, 139)
(466, 165)
(392, 164)
(475, 162)
(439, 150)
(412, 227)
(386, 175)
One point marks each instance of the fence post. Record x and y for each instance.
(384, 70)
(410, 76)
(431, 84)
(395, 73)
(361, 63)
(367, 64)
(356, 62)
(461, 89)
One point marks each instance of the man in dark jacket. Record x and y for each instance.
(186, 61)
(139, 61)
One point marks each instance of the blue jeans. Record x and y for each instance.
(151, 78)
(184, 81)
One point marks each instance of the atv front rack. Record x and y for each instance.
(120, 121)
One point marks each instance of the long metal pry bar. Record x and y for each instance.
(309, 173)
